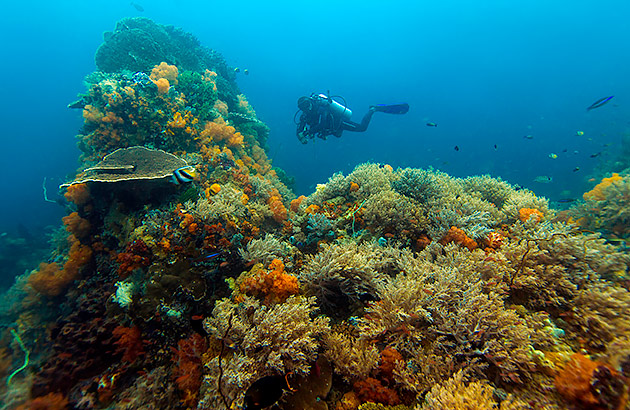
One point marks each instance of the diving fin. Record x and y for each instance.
(392, 108)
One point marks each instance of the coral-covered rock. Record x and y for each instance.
(84, 345)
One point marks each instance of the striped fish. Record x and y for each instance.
(183, 175)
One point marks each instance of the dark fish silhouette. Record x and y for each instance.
(599, 103)
(137, 7)
(431, 124)
(597, 154)
(456, 148)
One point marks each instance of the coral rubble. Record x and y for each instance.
(383, 289)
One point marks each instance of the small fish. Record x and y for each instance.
(576, 169)
(495, 146)
(183, 175)
(579, 133)
(595, 155)
(431, 124)
(456, 148)
(246, 71)
(137, 7)
(566, 200)
(553, 156)
(543, 179)
(529, 137)
(599, 103)
(208, 257)
(237, 70)
(623, 243)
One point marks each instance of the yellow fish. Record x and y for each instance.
(553, 156)
(579, 133)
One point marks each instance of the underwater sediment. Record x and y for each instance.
(190, 275)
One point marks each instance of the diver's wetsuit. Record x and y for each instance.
(319, 120)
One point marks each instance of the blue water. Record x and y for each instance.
(487, 72)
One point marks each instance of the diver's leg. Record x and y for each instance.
(354, 127)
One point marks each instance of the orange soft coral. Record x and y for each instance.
(165, 71)
(129, 343)
(51, 401)
(78, 193)
(592, 384)
(492, 241)
(598, 193)
(277, 208)
(459, 237)
(389, 358)
(50, 280)
(274, 285)
(215, 131)
(525, 213)
(372, 390)
(188, 367)
(295, 204)
(76, 225)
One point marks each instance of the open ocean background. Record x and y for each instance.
(487, 72)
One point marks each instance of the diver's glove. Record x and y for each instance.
(302, 137)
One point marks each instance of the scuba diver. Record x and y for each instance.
(322, 116)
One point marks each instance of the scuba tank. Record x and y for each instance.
(337, 108)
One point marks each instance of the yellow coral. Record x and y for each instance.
(221, 107)
(598, 192)
(92, 114)
(178, 121)
(165, 71)
(163, 85)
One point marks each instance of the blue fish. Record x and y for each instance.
(207, 257)
(599, 103)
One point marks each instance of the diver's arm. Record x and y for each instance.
(301, 132)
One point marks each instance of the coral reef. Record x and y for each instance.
(383, 289)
